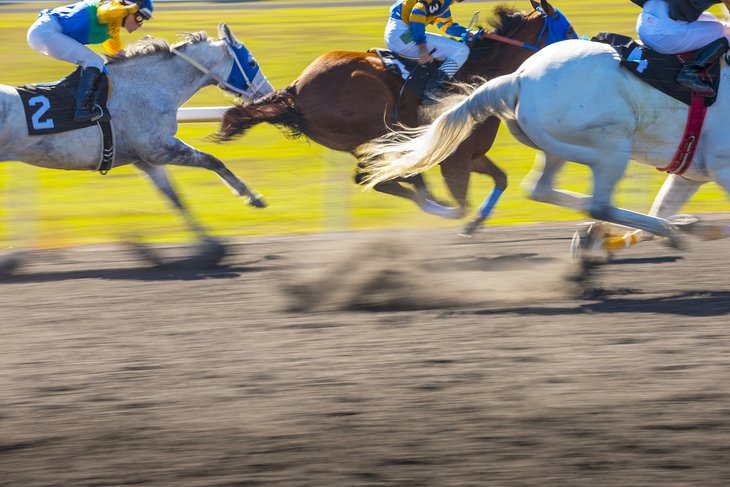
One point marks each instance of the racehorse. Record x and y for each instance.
(151, 80)
(343, 99)
(603, 122)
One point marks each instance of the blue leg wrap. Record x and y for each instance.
(486, 208)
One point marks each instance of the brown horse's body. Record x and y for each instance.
(344, 99)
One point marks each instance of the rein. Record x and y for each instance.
(542, 36)
(507, 40)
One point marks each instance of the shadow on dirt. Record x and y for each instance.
(695, 303)
(136, 274)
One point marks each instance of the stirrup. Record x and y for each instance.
(88, 115)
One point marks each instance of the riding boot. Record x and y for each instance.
(435, 90)
(691, 75)
(85, 96)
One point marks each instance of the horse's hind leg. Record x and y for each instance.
(606, 174)
(177, 153)
(158, 175)
(673, 195)
(421, 195)
(607, 171)
(540, 182)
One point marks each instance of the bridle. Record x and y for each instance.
(541, 37)
(252, 90)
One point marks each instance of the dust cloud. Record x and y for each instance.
(387, 274)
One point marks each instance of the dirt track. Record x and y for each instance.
(316, 361)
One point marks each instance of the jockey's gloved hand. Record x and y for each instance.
(471, 35)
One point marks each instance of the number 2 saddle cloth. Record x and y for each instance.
(49, 107)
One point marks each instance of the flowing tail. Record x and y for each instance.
(412, 151)
(277, 108)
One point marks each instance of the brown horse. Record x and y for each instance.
(344, 99)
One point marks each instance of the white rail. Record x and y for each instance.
(200, 114)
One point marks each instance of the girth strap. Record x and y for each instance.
(692, 131)
(107, 151)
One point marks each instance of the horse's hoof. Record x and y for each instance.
(694, 226)
(257, 201)
(587, 244)
(433, 208)
(470, 228)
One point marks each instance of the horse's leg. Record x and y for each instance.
(722, 178)
(540, 181)
(158, 175)
(175, 152)
(673, 195)
(606, 175)
(420, 195)
(484, 165)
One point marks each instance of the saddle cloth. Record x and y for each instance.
(658, 70)
(49, 107)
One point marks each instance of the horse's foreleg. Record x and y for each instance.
(484, 165)
(176, 152)
(158, 175)
(722, 178)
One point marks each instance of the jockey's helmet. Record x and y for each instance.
(145, 10)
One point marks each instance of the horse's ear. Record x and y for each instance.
(224, 32)
(547, 8)
(535, 4)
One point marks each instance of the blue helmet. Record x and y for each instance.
(145, 10)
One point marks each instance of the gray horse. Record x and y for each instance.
(151, 80)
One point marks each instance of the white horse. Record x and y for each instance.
(574, 102)
(151, 80)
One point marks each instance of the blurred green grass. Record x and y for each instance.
(308, 187)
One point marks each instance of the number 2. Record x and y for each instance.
(44, 105)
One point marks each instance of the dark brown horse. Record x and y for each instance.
(344, 99)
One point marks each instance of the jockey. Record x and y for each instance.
(677, 26)
(405, 34)
(62, 33)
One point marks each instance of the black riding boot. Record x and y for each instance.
(85, 96)
(691, 74)
(435, 90)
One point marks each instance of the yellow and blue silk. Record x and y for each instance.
(94, 22)
(417, 14)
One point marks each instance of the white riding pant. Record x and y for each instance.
(667, 36)
(453, 53)
(46, 36)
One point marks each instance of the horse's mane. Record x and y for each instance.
(504, 20)
(149, 45)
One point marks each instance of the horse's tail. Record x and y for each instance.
(277, 108)
(405, 153)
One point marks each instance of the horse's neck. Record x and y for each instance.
(175, 78)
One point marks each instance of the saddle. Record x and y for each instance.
(416, 75)
(49, 107)
(658, 70)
